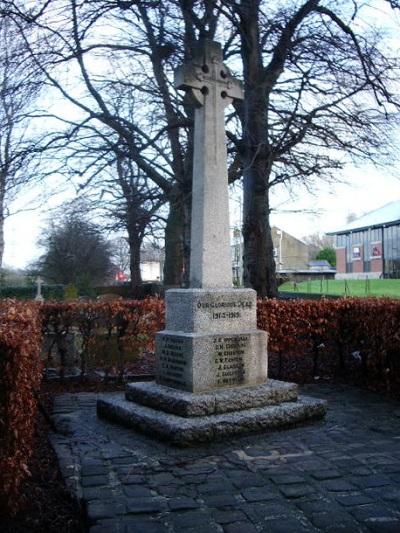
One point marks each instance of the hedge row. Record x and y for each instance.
(355, 338)
(126, 327)
(348, 337)
(58, 292)
(20, 375)
(22, 325)
(49, 292)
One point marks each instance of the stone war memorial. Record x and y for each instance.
(211, 360)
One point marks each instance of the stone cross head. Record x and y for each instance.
(207, 77)
(39, 283)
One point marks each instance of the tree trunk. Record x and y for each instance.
(187, 214)
(174, 243)
(2, 218)
(186, 192)
(135, 242)
(258, 258)
(258, 253)
(1, 237)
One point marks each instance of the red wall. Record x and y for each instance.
(341, 260)
(376, 265)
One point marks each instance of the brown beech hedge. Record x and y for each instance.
(352, 338)
(20, 375)
(131, 323)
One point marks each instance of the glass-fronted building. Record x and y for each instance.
(370, 245)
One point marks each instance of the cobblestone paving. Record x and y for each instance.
(337, 475)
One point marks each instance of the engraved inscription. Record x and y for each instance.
(172, 361)
(225, 309)
(231, 314)
(229, 354)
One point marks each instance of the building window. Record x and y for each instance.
(376, 250)
(391, 251)
(356, 252)
(392, 269)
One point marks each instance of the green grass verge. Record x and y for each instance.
(362, 288)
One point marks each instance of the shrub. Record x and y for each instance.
(127, 325)
(28, 292)
(350, 337)
(20, 375)
(356, 338)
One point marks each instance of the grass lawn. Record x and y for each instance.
(372, 287)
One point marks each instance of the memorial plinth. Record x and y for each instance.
(211, 340)
(211, 360)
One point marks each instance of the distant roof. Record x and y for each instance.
(319, 263)
(275, 229)
(387, 214)
(150, 254)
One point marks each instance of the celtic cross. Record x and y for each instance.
(212, 88)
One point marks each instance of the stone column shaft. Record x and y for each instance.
(210, 259)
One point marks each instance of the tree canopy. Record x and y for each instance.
(327, 254)
(76, 252)
(20, 85)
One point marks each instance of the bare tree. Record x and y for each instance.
(351, 217)
(139, 44)
(134, 208)
(121, 253)
(19, 87)
(75, 251)
(316, 242)
(319, 92)
(99, 166)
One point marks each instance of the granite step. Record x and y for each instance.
(186, 431)
(188, 404)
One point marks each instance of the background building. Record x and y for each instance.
(290, 253)
(370, 245)
(292, 258)
(152, 263)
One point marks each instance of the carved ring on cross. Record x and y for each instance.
(220, 79)
(208, 78)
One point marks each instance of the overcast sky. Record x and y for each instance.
(367, 189)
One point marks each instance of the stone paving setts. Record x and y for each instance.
(338, 475)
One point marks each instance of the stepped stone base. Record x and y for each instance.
(186, 404)
(253, 412)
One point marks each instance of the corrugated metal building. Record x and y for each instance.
(370, 245)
